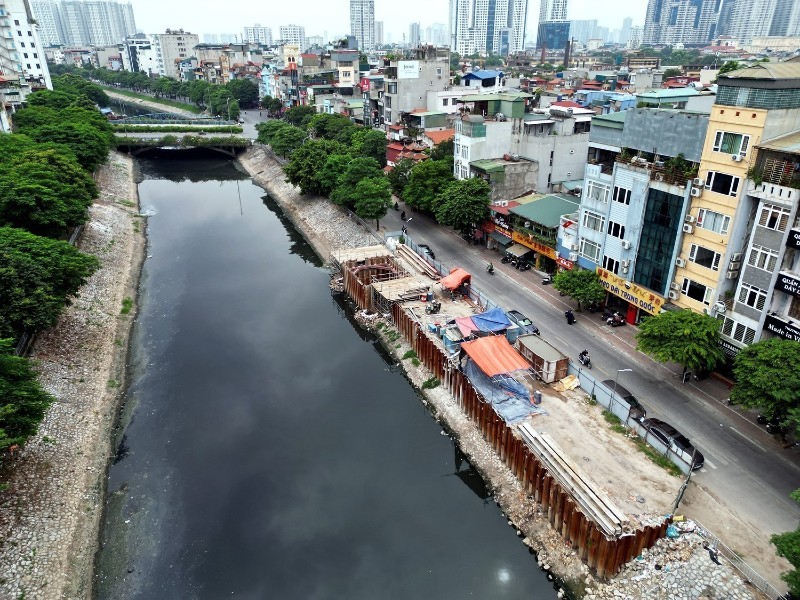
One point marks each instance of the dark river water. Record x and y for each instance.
(267, 448)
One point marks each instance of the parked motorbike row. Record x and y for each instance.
(613, 318)
(521, 265)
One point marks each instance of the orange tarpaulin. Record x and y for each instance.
(494, 355)
(456, 278)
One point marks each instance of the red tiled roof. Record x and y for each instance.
(566, 104)
(437, 137)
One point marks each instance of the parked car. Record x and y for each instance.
(675, 440)
(637, 410)
(425, 249)
(524, 323)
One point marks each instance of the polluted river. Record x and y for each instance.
(268, 447)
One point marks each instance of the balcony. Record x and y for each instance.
(772, 191)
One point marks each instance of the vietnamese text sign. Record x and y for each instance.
(408, 69)
(630, 292)
(529, 242)
(782, 328)
(793, 241)
(788, 284)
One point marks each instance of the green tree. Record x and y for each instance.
(398, 176)
(287, 139)
(763, 380)
(787, 545)
(50, 99)
(357, 169)
(306, 163)
(373, 145)
(672, 73)
(428, 178)
(299, 116)
(197, 91)
(75, 85)
(731, 65)
(244, 90)
(688, 338)
(443, 150)
(463, 204)
(581, 285)
(23, 401)
(373, 196)
(328, 126)
(89, 145)
(335, 165)
(268, 129)
(39, 276)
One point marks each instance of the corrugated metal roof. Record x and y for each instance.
(781, 70)
(489, 165)
(483, 75)
(547, 211)
(669, 93)
(786, 143)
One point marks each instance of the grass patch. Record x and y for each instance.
(415, 361)
(48, 440)
(431, 383)
(392, 336)
(409, 354)
(615, 424)
(113, 383)
(165, 101)
(127, 306)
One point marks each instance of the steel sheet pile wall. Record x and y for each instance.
(358, 285)
(604, 555)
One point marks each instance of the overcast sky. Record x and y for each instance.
(333, 16)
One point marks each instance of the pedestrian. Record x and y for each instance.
(404, 230)
(259, 113)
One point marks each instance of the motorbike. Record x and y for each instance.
(547, 280)
(523, 266)
(570, 317)
(615, 319)
(396, 206)
(490, 269)
(403, 215)
(433, 307)
(584, 359)
(506, 259)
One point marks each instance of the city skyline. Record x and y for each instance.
(153, 16)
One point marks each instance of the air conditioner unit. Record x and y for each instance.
(698, 181)
(736, 257)
(527, 223)
(574, 247)
(674, 285)
(695, 192)
(501, 203)
(573, 256)
(734, 265)
(680, 262)
(626, 263)
(736, 158)
(689, 219)
(732, 274)
(625, 244)
(688, 229)
(673, 295)
(659, 163)
(624, 269)
(720, 307)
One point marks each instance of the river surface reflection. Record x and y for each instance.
(268, 448)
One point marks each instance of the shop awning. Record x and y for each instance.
(500, 238)
(518, 250)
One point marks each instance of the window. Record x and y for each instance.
(590, 250)
(25, 54)
(387, 100)
(22, 44)
(610, 264)
(439, 71)
(457, 148)
(697, 291)
(465, 152)
(593, 221)
(616, 230)
(762, 258)
(16, 22)
(391, 88)
(445, 101)
(731, 143)
(464, 173)
(35, 55)
(752, 296)
(722, 183)
(30, 34)
(713, 221)
(773, 217)
(622, 195)
(737, 331)
(704, 257)
(596, 191)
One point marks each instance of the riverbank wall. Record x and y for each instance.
(51, 509)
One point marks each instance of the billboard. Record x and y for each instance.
(408, 69)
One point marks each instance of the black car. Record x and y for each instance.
(425, 249)
(675, 440)
(524, 323)
(637, 410)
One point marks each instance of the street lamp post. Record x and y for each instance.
(228, 106)
(617, 377)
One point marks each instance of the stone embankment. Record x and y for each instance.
(674, 568)
(50, 511)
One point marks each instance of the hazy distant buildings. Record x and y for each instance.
(258, 35)
(21, 54)
(379, 41)
(625, 32)
(293, 34)
(554, 29)
(414, 35)
(436, 35)
(748, 19)
(83, 23)
(691, 22)
(583, 30)
(493, 26)
(362, 23)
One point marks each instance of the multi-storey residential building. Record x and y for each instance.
(171, 47)
(293, 34)
(362, 23)
(436, 35)
(414, 35)
(679, 22)
(84, 23)
(258, 35)
(496, 26)
(139, 55)
(742, 203)
(22, 59)
(746, 19)
(379, 34)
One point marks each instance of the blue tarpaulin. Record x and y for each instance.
(510, 399)
(493, 319)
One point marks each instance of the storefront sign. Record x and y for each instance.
(500, 220)
(782, 328)
(528, 241)
(793, 241)
(729, 348)
(503, 230)
(788, 284)
(564, 263)
(408, 69)
(630, 292)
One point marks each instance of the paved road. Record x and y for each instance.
(745, 467)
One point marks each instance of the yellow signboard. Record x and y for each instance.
(528, 241)
(630, 292)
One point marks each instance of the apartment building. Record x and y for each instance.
(293, 34)
(497, 27)
(679, 22)
(171, 47)
(84, 22)
(258, 35)
(22, 61)
(139, 55)
(362, 23)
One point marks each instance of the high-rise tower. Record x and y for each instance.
(679, 22)
(362, 23)
(496, 26)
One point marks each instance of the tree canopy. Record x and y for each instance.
(287, 139)
(245, 92)
(357, 169)
(373, 196)
(581, 285)
(23, 402)
(683, 336)
(787, 545)
(398, 176)
(89, 145)
(300, 116)
(765, 381)
(39, 277)
(373, 145)
(463, 204)
(307, 162)
(427, 180)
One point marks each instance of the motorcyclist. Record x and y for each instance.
(490, 268)
(570, 317)
(583, 357)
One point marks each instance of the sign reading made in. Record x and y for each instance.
(630, 292)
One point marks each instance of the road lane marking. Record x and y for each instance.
(710, 464)
(759, 446)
